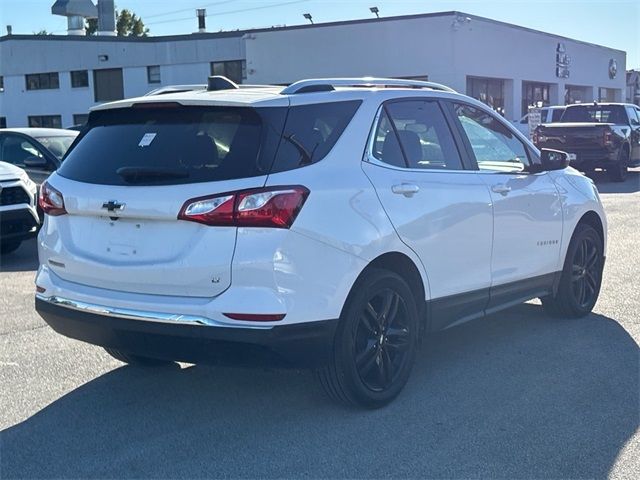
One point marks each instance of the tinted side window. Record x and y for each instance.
(494, 145)
(416, 133)
(310, 133)
(16, 150)
(556, 115)
(633, 116)
(386, 147)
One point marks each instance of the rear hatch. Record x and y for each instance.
(568, 136)
(126, 180)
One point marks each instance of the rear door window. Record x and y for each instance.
(415, 134)
(152, 146)
(311, 131)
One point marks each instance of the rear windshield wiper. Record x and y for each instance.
(141, 174)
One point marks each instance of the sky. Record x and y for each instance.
(613, 23)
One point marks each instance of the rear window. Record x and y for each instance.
(165, 146)
(161, 146)
(595, 114)
(311, 132)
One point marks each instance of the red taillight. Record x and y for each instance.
(51, 200)
(607, 138)
(253, 317)
(275, 207)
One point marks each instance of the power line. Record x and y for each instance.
(188, 9)
(228, 12)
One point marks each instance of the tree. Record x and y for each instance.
(42, 32)
(128, 24)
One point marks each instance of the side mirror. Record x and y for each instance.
(553, 160)
(36, 162)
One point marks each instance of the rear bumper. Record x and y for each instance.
(588, 157)
(19, 224)
(304, 345)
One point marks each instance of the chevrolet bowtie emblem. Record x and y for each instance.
(113, 206)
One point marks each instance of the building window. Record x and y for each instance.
(489, 91)
(80, 118)
(3, 122)
(45, 121)
(1, 83)
(42, 81)
(79, 78)
(108, 85)
(577, 94)
(153, 74)
(534, 93)
(606, 94)
(234, 70)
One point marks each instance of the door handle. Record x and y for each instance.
(406, 189)
(501, 188)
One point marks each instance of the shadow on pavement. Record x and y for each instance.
(630, 185)
(516, 395)
(24, 259)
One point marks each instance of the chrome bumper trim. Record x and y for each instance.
(146, 316)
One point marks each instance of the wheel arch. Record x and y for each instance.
(592, 219)
(405, 267)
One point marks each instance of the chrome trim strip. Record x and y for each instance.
(142, 315)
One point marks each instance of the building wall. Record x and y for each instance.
(181, 62)
(493, 49)
(447, 47)
(400, 48)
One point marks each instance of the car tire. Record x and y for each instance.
(136, 360)
(619, 171)
(581, 277)
(9, 247)
(375, 343)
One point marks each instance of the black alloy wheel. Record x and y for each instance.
(382, 340)
(375, 343)
(585, 274)
(581, 277)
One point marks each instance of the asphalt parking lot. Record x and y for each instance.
(515, 395)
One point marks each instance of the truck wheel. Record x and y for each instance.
(619, 171)
(375, 344)
(135, 359)
(581, 276)
(9, 247)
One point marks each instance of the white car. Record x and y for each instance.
(18, 216)
(551, 114)
(328, 224)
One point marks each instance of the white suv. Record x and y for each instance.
(329, 225)
(18, 216)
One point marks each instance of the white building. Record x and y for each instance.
(54, 80)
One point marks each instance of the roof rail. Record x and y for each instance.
(327, 84)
